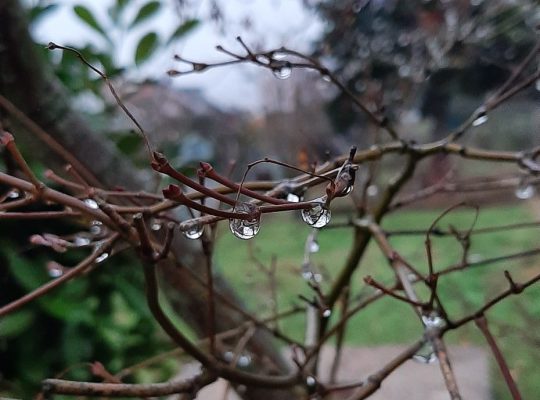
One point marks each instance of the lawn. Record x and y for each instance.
(389, 321)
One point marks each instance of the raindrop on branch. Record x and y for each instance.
(14, 194)
(432, 320)
(81, 241)
(293, 198)
(102, 257)
(311, 381)
(481, 118)
(246, 228)
(313, 246)
(156, 226)
(278, 55)
(282, 70)
(54, 269)
(372, 190)
(263, 59)
(194, 232)
(327, 313)
(318, 215)
(425, 355)
(524, 191)
(90, 203)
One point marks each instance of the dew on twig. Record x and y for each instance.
(90, 203)
(245, 228)
(524, 191)
(425, 355)
(481, 118)
(318, 215)
(102, 257)
(283, 70)
(194, 232)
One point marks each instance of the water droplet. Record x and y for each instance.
(318, 215)
(425, 355)
(283, 70)
(480, 119)
(244, 361)
(90, 203)
(372, 190)
(246, 228)
(313, 246)
(96, 227)
(278, 55)
(311, 381)
(102, 257)
(347, 190)
(156, 226)
(228, 356)
(326, 78)
(81, 241)
(474, 258)
(327, 313)
(432, 320)
(524, 191)
(263, 59)
(194, 232)
(54, 269)
(293, 198)
(14, 194)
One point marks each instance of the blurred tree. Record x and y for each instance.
(383, 49)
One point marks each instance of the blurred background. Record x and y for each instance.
(426, 65)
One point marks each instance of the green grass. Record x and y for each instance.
(388, 320)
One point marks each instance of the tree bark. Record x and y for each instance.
(28, 82)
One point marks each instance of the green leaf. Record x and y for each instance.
(146, 12)
(88, 18)
(183, 29)
(14, 324)
(147, 45)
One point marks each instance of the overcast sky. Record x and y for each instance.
(275, 23)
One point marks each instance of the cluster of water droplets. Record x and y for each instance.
(317, 215)
(245, 228)
(426, 354)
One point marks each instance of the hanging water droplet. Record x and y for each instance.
(244, 361)
(246, 228)
(156, 226)
(81, 241)
(318, 215)
(293, 198)
(311, 381)
(263, 59)
(524, 191)
(91, 203)
(372, 190)
(326, 78)
(194, 232)
(425, 355)
(102, 257)
(228, 356)
(283, 70)
(54, 269)
(432, 320)
(480, 119)
(13, 194)
(327, 313)
(313, 246)
(96, 227)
